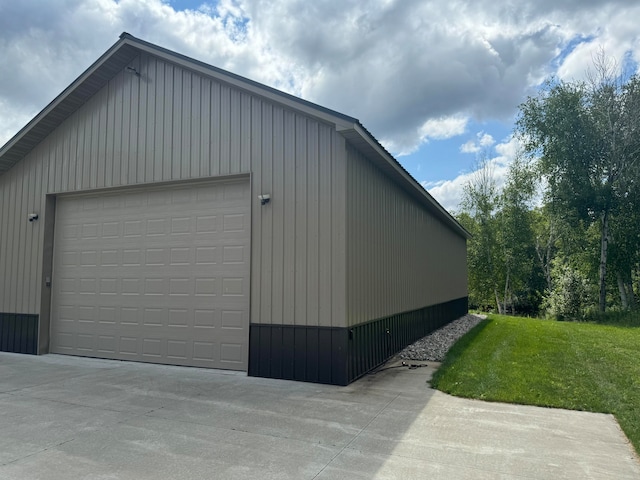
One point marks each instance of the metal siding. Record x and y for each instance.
(400, 257)
(262, 140)
(25, 234)
(289, 216)
(170, 124)
(152, 134)
(225, 130)
(15, 227)
(300, 233)
(141, 153)
(195, 130)
(276, 207)
(338, 259)
(313, 219)
(19, 238)
(34, 204)
(8, 209)
(250, 107)
(216, 129)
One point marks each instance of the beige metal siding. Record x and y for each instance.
(21, 240)
(172, 124)
(400, 257)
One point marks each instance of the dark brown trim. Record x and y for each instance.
(338, 356)
(372, 343)
(19, 333)
(295, 352)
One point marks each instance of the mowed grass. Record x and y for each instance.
(578, 366)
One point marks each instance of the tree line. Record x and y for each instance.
(562, 235)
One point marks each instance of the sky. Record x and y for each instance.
(437, 82)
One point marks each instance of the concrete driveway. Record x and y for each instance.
(75, 418)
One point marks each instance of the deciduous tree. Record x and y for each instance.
(585, 137)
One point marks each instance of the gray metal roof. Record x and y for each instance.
(128, 47)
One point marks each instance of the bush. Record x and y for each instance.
(569, 298)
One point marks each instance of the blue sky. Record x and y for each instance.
(438, 82)
(445, 159)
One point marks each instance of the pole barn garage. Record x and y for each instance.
(163, 210)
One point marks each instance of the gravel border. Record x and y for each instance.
(434, 346)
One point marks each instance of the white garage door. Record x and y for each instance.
(156, 275)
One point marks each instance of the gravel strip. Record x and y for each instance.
(435, 345)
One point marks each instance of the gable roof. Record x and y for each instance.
(129, 47)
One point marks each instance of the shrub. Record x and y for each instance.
(569, 298)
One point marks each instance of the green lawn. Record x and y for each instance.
(579, 366)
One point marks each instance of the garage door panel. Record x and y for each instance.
(159, 276)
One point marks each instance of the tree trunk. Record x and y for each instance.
(544, 256)
(506, 291)
(604, 242)
(495, 292)
(623, 291)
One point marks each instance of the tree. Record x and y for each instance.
(569, 295)
(616, 113)
(501, 250)
(545, 234)
(584, 137)
(515, 230)
(479, 203)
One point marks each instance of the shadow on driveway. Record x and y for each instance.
(78, 418)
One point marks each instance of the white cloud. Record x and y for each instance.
(617, 35)
(485, 140)
(410, 71)
(449, 192)
(443, 128)
(470, 147)
(482, 142)
(508, 149)
(432, 129)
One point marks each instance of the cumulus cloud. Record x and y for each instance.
(410, 71)
(449, 192)
(433, 129)
(483, 141)
(618, 37)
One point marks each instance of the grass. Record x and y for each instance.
(624, 318)
(578, 366)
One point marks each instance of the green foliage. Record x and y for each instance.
(581, 143)
(479, 204)
(503, 272)
(583, 140)
(570, 296)
(579, 366)
(558, 131)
